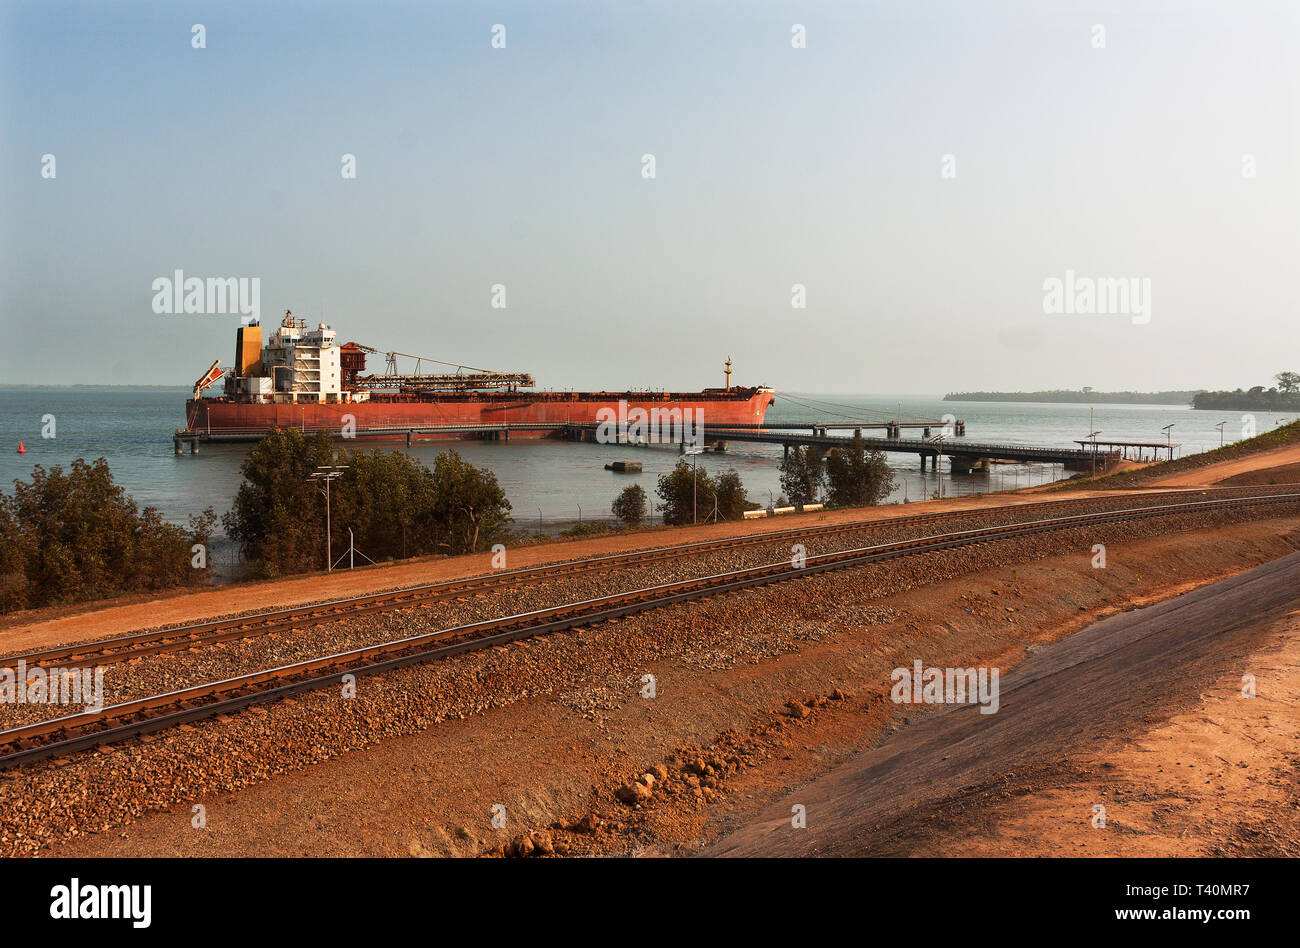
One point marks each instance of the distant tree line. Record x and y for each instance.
(1085, 396)
(1285, 396)
(75, 535)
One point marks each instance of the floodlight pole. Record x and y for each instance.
(694, 451)
(938, 464)
(327, 473)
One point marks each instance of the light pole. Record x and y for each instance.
(1220, 427)
(1091, 409)
(1093, 436)
(938, 464)
(327, 473)
(695, 484)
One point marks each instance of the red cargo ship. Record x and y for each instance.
(302, 379)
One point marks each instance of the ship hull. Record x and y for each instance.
(398, 416)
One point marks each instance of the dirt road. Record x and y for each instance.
(1218, 473)
(932, 784)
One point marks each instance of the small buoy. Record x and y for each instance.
(21, 449)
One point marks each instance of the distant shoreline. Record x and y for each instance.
(1271, 400)
(1073, 397)
(136, 388)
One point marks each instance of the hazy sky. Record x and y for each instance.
(774, 166)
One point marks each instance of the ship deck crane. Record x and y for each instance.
(214, 372)
(460, 379)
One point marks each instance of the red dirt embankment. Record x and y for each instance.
(1265, 464)
(1276, 448)
(932, 785)
(551, 731)
(1282, 474)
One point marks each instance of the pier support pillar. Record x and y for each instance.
(176, 445)
(194, 446)
(922, 463)
(926, 433)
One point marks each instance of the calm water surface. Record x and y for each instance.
(558, 481)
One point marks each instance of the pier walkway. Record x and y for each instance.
(963, 455)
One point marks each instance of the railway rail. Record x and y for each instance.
(73, 733)
(141, 644)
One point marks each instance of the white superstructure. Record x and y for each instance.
(297, 365)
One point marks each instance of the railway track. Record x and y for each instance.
(72, 733)
(141, 644)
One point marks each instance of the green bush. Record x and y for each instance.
(684, 492)
(278, 515)
(470, 511)
(732, 499)
(586, 529)
(629, 506)
(856, 476)
(395, 506)
(802, 475)
(76, 536)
